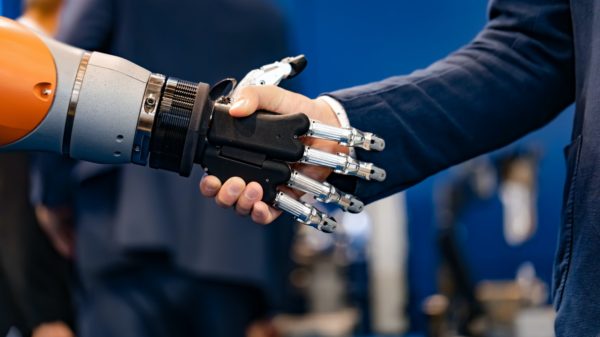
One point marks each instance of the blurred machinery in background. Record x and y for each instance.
(354, 281)
(487, 308)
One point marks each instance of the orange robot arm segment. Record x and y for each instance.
(27, 81)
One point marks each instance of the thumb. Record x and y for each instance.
(269, 97)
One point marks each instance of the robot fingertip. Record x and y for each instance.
(329, 225)
(377, 144)
(378, 174)
(356, 206)
(298, 64)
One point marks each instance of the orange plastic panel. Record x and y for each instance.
(27, 81)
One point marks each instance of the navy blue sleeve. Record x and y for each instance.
(516, 76)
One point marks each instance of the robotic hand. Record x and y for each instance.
(101, 108)
(260, 147)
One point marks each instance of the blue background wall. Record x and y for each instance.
(10, 8)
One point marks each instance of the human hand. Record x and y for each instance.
(54, 329)
(247, 197)
(264, 328)
(57, 223)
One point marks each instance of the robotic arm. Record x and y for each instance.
(104, 109)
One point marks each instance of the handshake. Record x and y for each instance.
(279, 146)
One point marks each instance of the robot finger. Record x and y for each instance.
(350, 137)
(343, 164)
(305, 213)
(325, 192)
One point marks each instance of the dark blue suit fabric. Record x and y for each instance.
(136, 225)
(533, 59)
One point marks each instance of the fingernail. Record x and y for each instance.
(239, 104)
(234, 190)
(264, 215)
(210, 189)
(251, 194)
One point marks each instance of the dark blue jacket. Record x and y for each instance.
(533, 59)
(132, 209)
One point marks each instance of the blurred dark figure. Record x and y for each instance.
(34, 291)
(153, 258)
(511, 176)
(34, 277)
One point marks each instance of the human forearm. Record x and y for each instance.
(513, 78)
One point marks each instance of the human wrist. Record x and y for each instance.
(326, 113)
(338, 110)
(341, 116)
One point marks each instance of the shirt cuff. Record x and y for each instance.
(341, 115)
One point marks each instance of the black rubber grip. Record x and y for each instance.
(226, 162)
(276, 136)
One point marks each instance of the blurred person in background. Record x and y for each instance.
(42, 15)
(152, 258)
(34, 278)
